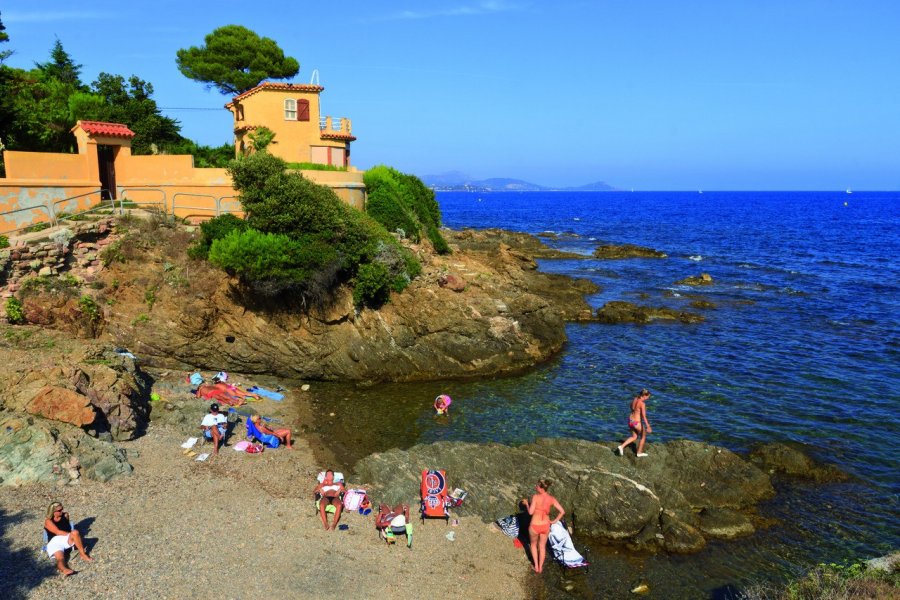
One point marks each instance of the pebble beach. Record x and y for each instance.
(238, 526)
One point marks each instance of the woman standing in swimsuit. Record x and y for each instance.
(638, 414)
(539, 529)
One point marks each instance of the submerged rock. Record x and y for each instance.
(792, 461)
(656, 502)
(617, 251)
(619, 311)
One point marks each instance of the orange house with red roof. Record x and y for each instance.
(293, 112)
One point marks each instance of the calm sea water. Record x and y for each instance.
(804, 345)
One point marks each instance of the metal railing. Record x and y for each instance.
(123, 198)
(50, 206)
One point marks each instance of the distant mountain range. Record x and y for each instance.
(454, 181)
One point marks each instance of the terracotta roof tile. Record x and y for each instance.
(105, 129)
(337, 135)
(271, 85)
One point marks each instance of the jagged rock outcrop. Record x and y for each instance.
(36, 450)
(619, 251)
(507, 317)
(701, 279)
(93, 387)
(682, 494)
(619, 311)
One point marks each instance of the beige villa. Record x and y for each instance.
(41, 186)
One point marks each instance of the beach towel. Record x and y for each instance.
(509, 525)
(266, 393)
(563, 549)
(266, 438)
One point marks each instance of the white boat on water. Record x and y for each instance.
(849, 191)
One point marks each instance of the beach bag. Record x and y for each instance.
(254, 448)
(196, 379)
(353, 499)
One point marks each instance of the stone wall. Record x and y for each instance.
(73, 249)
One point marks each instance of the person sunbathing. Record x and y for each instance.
(225, 393)
(284, 435)
(330, 492)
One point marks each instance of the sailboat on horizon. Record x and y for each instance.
(849, 191)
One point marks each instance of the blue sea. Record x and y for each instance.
(803, 346)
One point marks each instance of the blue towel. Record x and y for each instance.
(266, 438)
(266, 393)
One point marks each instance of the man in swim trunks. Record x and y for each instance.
(330, 492)
(638, 414)
(539, 528)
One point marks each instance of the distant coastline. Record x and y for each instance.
(459, 182)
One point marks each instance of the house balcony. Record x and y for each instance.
(333, 128)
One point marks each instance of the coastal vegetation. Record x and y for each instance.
(832, 582)
(234, 59)
(403, 204)
(300, 240)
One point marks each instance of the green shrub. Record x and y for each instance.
(215, 229)
(401, 201)
(14, 312)
(4, 241)
(308, 166)
(37, 227)
(67, 285)
(89, 307)
(372, 285)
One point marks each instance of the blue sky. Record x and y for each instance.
(654, 95)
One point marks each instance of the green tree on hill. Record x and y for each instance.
(61, 67)
(234, 60)
(4, 37)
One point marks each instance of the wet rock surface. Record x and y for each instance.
(619, 311)
(675, 499)
(701, 279)
(619, 251)
(791, 460)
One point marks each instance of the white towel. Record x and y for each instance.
(563, 549)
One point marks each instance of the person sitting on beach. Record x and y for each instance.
(539, 528)
(62, 536)
(284, 435)
(637, 415)
(214, 426)
(330, 492)
(442, 404)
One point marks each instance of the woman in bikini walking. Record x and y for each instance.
(539, 528)
(638, 414)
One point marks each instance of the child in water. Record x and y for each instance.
(635, 418)
(442, 404)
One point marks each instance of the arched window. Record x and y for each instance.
(290, 109)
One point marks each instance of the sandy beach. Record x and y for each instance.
(238, 526)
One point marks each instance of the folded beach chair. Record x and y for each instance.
(434, 496)
(393, 521)
(268, 439)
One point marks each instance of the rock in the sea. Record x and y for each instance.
(60, 404)
(617, 251)
(725, 523)
(33, 450)
(651, 502)
(618, 311)
(701, 279)
(791, 460)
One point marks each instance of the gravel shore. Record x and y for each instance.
(238, 526)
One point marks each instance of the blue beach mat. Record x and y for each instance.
(266, 393)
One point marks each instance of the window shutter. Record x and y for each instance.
(302, 110)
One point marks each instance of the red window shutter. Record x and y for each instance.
(302, 110)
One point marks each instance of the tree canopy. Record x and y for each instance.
(235, 59)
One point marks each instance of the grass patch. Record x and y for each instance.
(832, 582)
(67, 285)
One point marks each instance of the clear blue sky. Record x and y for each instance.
(654, 95)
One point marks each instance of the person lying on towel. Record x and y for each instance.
(330, 491)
